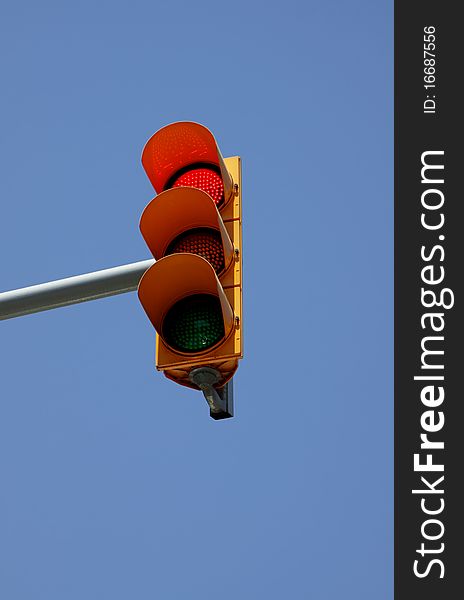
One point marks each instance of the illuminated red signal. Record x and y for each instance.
(186, 154)
(203, 178)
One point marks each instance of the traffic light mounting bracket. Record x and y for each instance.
(220, 400)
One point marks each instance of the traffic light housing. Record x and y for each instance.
(193, 227)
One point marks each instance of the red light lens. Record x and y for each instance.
(204, 242)
(203, 179)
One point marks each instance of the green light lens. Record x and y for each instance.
(194, 323)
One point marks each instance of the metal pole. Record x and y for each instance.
(72, 290)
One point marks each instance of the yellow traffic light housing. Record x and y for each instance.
(193, 227)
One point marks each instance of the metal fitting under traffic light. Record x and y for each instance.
(193, 293)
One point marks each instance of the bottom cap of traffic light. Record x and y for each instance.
(189, 309)
(220, 400)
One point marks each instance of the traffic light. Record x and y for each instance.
(193, 293)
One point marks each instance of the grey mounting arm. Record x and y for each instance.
(220, 400)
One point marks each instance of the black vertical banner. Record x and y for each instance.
(429, 331)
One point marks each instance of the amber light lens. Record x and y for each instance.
(205, 242)
(194, 323)
(204, 179)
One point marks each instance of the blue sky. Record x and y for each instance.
(115, 483)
